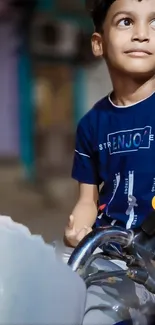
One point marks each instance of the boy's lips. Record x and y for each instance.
(138, 52)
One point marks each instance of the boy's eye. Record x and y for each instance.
(125, 22)
(153, 23)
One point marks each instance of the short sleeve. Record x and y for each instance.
(84, 167)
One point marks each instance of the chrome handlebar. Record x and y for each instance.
(137, 257)
(96, 238)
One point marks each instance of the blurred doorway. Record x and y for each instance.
(54, 126)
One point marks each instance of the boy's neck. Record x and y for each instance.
(128, 91)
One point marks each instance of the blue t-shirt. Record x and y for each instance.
(116, 145)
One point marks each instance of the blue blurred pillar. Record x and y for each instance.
(26, 115)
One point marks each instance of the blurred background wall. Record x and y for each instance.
(9, 126)
(49, 79)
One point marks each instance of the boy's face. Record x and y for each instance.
(128, 39)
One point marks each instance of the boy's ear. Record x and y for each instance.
(97, 45)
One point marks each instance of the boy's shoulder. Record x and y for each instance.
(98, 109)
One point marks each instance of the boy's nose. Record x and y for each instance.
(141, 33)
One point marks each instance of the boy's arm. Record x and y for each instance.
(83, 216)
(85, 211)
(86, 173)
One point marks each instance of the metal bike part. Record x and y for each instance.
(95, 239)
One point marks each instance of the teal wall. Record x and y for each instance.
(26, 112)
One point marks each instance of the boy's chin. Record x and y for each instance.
(138, 71)
(142, 74)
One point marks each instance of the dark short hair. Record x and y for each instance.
(98, 10)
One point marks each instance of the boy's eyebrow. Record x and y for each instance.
(124, 12)
(130, 13)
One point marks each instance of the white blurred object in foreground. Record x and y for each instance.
(35, 286)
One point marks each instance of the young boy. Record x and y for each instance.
(115, 144)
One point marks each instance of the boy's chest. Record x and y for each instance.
(127, 140)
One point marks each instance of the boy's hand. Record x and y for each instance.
(74, 236)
